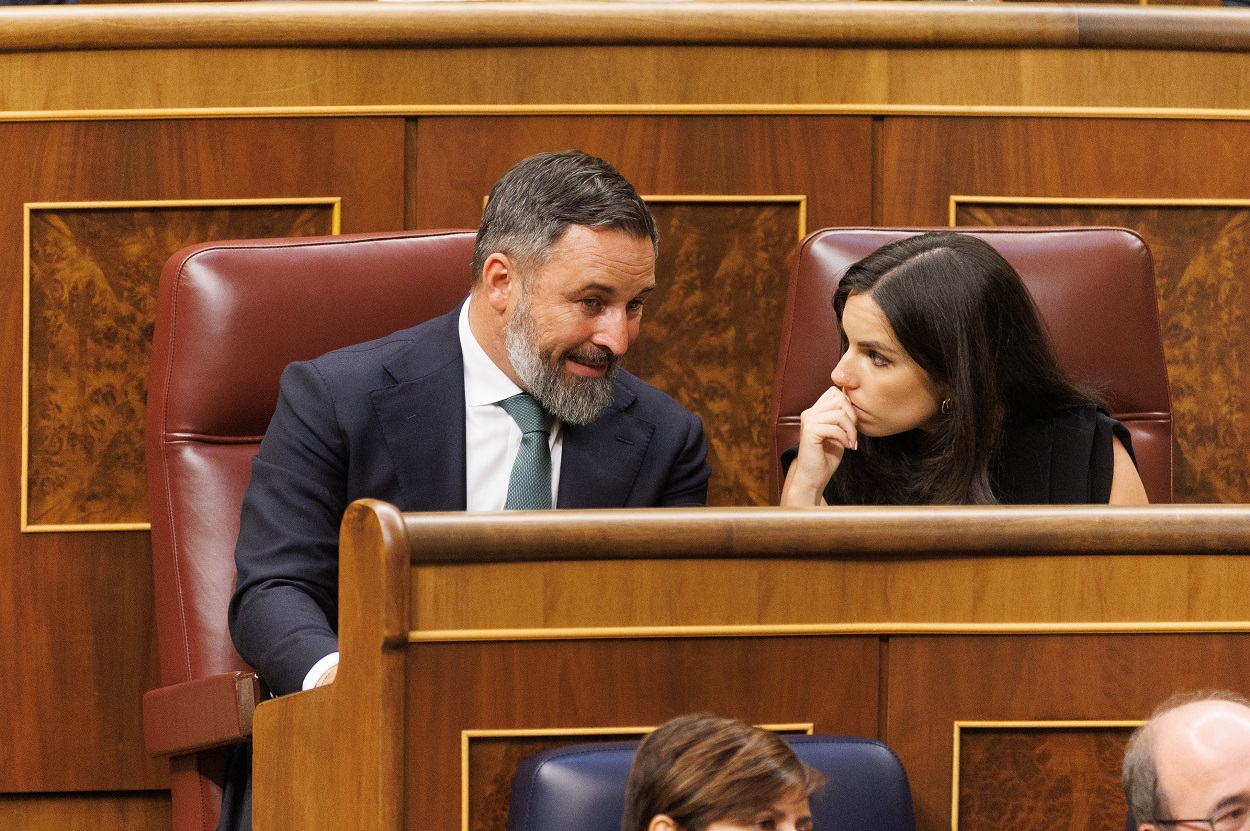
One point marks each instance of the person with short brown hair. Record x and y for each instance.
(712, 773)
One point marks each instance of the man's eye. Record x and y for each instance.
(591, 304)
(1234, 819)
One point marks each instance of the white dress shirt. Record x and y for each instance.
(492, 438)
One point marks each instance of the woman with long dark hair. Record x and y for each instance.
(948, 393)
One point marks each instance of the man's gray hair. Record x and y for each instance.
(1140, 776)
(540, 197)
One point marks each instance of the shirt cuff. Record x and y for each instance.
(319, 669)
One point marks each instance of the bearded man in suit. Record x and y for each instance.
(563, 265)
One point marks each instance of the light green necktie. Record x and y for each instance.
(529, 488)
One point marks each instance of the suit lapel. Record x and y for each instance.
(600, 461)
(422, 417)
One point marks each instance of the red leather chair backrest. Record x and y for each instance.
(230, 316)
(1094, 288)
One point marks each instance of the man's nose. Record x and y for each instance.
(614, 331)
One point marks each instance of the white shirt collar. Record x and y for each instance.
(484, 382)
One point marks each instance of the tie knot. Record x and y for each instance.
(527, 413)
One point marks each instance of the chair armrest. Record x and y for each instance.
(198, 714)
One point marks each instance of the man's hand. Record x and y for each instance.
(327, 677)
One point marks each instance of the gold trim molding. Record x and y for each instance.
(815, 630)
(437, 110)
(956, 200)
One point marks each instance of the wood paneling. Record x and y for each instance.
(133, 811)
(76, 609)
(825, 158)
(454, 687)
(1041, 777)
(925, 161)
(415, 701)
(935, 681)
(931, 590)
(785, 54)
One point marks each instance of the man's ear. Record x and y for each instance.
(662, 822)
(499, 279)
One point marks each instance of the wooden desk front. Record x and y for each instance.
(1022, 639)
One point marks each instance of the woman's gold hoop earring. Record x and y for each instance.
(946, 406)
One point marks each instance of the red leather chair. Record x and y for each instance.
(230, 316)
(1094, 288)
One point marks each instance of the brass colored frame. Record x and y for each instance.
(825, 629)
(1015, 725)
(1093, 201)
(334, 202)
(466, 736)
(460, 110)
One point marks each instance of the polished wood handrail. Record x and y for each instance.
(830, 533)
(773, 22)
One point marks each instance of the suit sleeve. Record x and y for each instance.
(284, 612)
(690, 471)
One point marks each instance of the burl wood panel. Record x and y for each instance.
(76, 609)
(1201, 254)
(934, 681)
(830, 682)
(712, 329)
(1043, 777)
(710, 336)
(93, 275)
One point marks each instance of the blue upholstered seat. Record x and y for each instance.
(582, 787)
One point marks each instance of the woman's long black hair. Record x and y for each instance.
(964, 315)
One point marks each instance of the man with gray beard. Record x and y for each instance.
(563, 265)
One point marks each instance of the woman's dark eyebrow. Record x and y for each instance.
(875, 345)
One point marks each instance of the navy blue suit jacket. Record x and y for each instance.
(386, 419)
